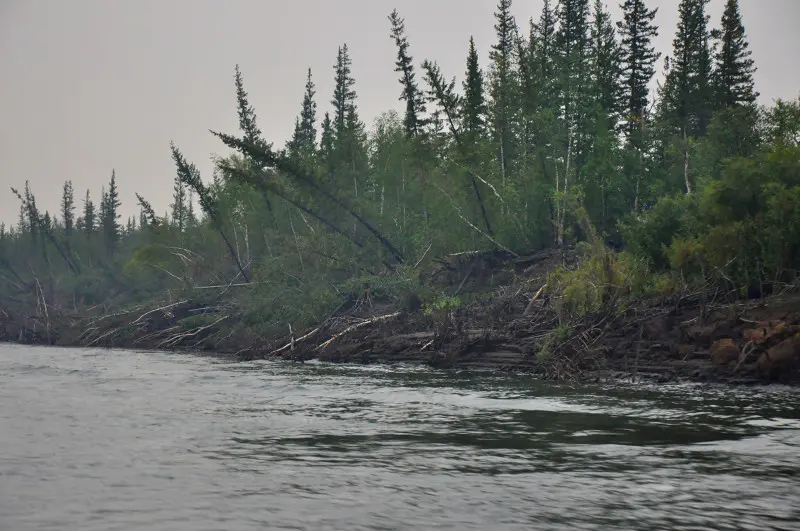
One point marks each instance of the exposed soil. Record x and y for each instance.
(691, 337)
(694, 337)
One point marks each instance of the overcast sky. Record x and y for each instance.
(91, 85)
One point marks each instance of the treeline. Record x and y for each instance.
(558, 139)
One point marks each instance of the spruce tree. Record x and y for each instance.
(68, 208)
(734, 68)
(411, 93)
(638, 57)
(191, 215)
(31, 211)
(573, 44)
(545, 49)
(308, 116)
(178, 205)
(22, 220)
(687, 89)
(304, 137)
(473, 103)
(344, 95)
(503, 84)
(247, 115)
(605, 52)
(327, 140)
(89, 215)
(109, 209)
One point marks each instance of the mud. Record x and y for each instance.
(512, 327)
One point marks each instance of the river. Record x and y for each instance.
(118, 440)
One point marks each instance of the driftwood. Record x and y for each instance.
(356, 327)
(291, 344)
(529, 309)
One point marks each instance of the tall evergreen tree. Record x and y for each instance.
(574, 47)
(302, 147)
(110, 214)
(191, 215)
(344, 95)
(687, 96)
(545, 50)
(22, 220)
(31, 211)
(503, 84)
(89, 215)
(474, 103)
(178, 205)
(734, 67)
(605, 53)
(573, 43)
(411, 93)
(68, 208)
(687, 89)
(247, 115)
(327, 140)
(638, 57)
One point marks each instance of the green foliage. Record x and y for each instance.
(597, 279)
(525, 157)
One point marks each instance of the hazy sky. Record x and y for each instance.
(91, 85)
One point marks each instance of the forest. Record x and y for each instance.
(544, 199)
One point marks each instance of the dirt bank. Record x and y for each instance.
(510, 325)
(693, 337)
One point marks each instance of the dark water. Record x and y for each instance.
(99, 440)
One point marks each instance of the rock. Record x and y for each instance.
(702, 335)
(782, 358)
(724, 351)
(767, 332)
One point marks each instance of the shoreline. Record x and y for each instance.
(747, 343)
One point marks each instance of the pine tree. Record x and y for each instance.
(503, 85)
(68, 208)
(247, 115)
(474, 104)
(303, 143)
(31, 211)
(687, 89)
(327, 141)
(411, 93)
(348, 157)
(573, 52)
(22, 220)
(344, 95)
(89, 215)
(638, 57)
(734, 68)
(687, 98)
(573, 44)
(178, 205)
(191, 215)
(109, 209)
(545, 50)
(605, 52)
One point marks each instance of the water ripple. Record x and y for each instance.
(101, 440)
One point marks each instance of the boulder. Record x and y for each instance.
(767, 332)
(782, 358)
(724, 351)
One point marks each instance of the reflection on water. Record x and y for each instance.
(98, 440)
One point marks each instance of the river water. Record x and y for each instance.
(107, 440)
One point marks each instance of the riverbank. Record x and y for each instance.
(506, 321)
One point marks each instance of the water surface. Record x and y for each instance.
(114, 440)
